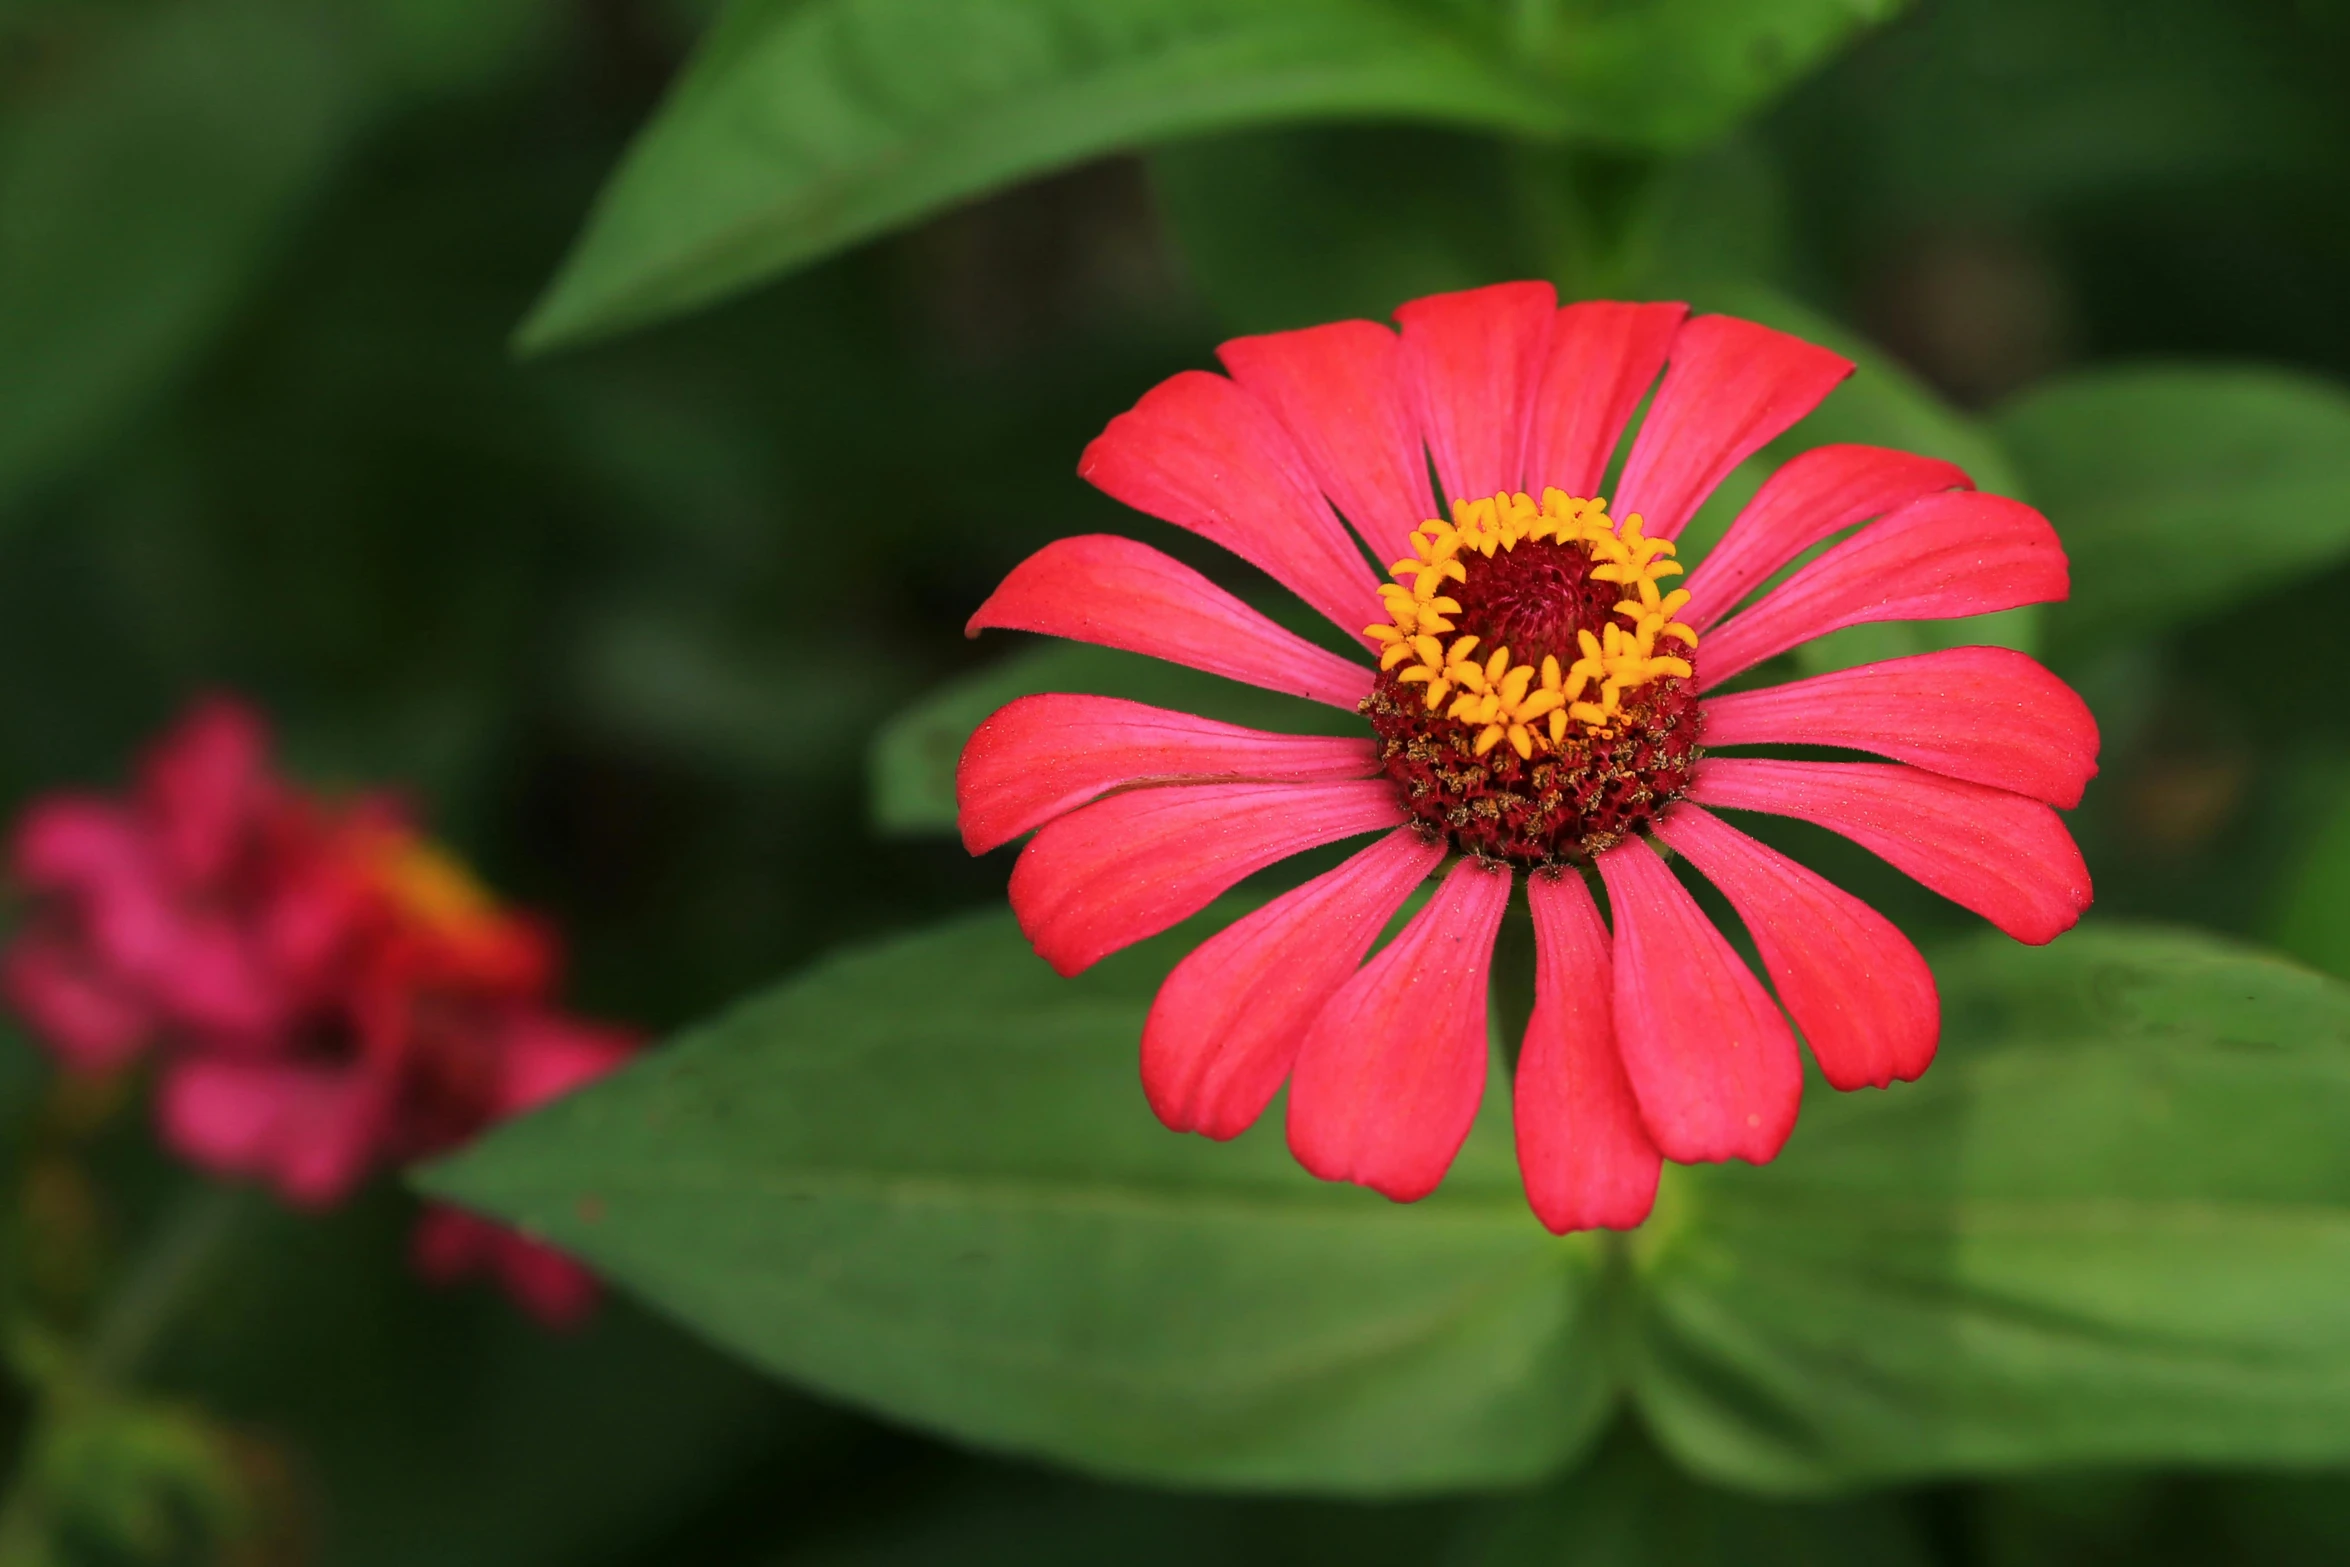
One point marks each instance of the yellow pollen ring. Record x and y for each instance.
(1518, 703)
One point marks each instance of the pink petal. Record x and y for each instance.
(1939, 557)
(1709, 1056)
(1203, 454)
(450, 1244)
(1389, 1076)
(544, 1055)
(1810, 498)
(1585, 1154)
(1603, 358)
(1043, 755)
(1856, 987)
(1989, 715)
(1111, 873)
(205, 784)
(1470, 364)
(86, 1015)
(2006, 857)
(1113, 592)
(1338, 391)
(1731, 388)
(544, 1282)
(1227, 1023)
(310, 1131)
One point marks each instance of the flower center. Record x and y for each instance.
(1536, 699)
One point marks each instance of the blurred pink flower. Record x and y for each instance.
(326, 991)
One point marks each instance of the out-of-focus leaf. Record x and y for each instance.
(115, 1479)
(142, 181)
(915, 753)
(2181, 489)
(2000, 105)
(1633, 1509)
(803, 127)
(2112, 1224)
(1287, 228)
(1673, 73)
(2314, 923)
(923, 1177)
(452, 45)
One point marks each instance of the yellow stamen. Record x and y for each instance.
(1519, 703)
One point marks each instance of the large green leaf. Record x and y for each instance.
(140, 186)
(915, 753)
(2180, 490)
(804, 127)
(2314, 923)
(923, 1177)
(2111, 1224)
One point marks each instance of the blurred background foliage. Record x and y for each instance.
(661, 619)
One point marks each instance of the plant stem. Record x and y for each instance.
(170, 1264)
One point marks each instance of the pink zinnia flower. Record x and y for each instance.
(1544, 701)
(327, 992)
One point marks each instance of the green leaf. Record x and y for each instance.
(2112, 1224)
(923, 1177)
(804, 127)
(2314, 924)
(915, 753)
(1674, 73)
(2142, 470)
(142, 184)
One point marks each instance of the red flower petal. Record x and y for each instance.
(1603, 358)
(449, 1244)
(1856, 987)
(87, 1015)
(1389, 1076)
(1989, 715)
(1338, 391)
(1708, 1055)
(204, 785)
(312, 1132)
(1585, 1154)
(1043, 755)
(1731, 387)
(544, 1055)
(1942, 556)
(1470, 363)
(2006, 857)
(1227, 1023)
(1113, 592)
(1810, 498)
(1203, 454)
(1111, 873)
(548, 1284)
